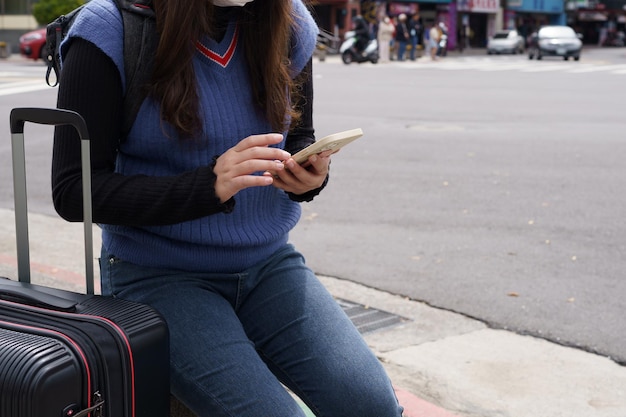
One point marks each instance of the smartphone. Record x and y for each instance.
(330, 143)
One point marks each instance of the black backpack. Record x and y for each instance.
(140, 42)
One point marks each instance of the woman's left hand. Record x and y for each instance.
(297, 179)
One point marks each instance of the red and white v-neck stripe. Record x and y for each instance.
(221, 59)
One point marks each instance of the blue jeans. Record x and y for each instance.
(413, 48)
(236, 337)
(401, 49)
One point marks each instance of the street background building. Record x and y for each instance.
(472, 22)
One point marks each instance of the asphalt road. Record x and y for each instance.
(492, 187)
(488, 186)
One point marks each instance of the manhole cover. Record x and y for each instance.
(367, 319)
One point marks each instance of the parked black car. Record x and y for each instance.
(555, 41)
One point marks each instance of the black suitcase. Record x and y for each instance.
(66, 354)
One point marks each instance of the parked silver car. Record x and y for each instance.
(505, 42)
(555, 41)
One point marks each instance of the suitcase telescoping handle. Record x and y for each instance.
(48, 117)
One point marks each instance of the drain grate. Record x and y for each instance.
(367, 319)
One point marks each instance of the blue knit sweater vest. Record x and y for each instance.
(263, 216)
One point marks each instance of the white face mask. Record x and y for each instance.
(228, 3)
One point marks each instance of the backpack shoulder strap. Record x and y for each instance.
(55, 33)
(140, 43)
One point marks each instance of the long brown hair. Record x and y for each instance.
(266, 29)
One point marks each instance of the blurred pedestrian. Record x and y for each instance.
(460, 36)
(393, 50)
(426, 41)
(386, 30)
(402, 36)
(362, 33)
(603, 34)
(434, 35)
(442, 44)
(415, 34)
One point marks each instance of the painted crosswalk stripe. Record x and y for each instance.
(543, 68)
(596, 68)
(22, 87)
(503, 67)
(491, 64)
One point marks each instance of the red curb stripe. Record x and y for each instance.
(51, 271)
(416, 407)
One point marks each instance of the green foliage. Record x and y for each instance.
(45, 11)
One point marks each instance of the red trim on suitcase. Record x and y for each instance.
(130, 354)
(68, 339)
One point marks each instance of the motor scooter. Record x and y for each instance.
(349, 54)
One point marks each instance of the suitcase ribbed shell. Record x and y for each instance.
(41, 367)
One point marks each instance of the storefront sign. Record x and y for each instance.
(406, 8)
(537, 6)
(478, 6)
(590, 16)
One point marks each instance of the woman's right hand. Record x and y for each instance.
(235, 167)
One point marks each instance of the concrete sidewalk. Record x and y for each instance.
(442, 364)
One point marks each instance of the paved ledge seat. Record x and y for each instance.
(178, 409)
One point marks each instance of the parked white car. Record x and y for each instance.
(505, 42)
